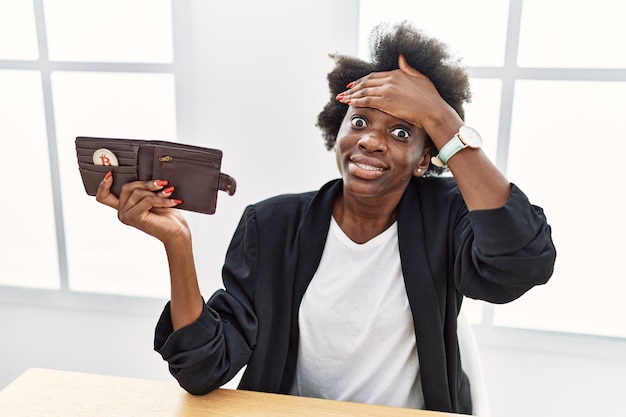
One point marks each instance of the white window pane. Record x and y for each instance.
(483, 45)
(570, 34)
(109, 30)
(483, 112)
(28, 251)
(103, 254)
(566, 145)
(473, 310)
(18, 38)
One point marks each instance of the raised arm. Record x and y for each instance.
(408, 94)
(205, 345)
(147, 206)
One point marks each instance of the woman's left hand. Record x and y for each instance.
(409, 95)
(404, 93)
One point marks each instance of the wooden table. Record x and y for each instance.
(43, 392)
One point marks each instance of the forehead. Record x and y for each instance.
(375, 115)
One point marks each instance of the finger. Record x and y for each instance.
(373, 79)
(104, 194)
(145, 202)
(150, 186)
(167, 191)
(142, 205)
(363, 101)
(362, 89)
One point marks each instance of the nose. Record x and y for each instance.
(373, 141)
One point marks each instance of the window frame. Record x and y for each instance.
(482, 314)
(180, 67)
(508, 73)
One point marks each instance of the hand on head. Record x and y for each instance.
(405, 93)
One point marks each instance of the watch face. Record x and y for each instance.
(470, 137)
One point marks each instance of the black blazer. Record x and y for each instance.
(446, 253)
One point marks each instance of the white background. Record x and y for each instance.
(257, 72)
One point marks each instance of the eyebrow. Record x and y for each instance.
(355, 111)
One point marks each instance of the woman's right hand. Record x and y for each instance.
(147, 206)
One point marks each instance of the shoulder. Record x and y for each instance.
(436, 191)
(282, 206)
(283, 201)
(444, 184)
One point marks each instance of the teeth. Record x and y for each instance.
(367, 167)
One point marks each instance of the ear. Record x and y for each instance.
(423, 163)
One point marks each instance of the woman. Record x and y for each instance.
(352, 292)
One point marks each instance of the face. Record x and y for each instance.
(378, 153)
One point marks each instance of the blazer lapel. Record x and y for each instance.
(311, 241)
(420, 287)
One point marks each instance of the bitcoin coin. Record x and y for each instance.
(104, 156)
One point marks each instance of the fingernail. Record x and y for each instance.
(340, 96)
(347, 102)
(160, 183)
(108, 175)
(177, 201)
(350, 85)
(168, 190)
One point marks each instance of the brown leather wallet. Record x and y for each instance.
(194, 171)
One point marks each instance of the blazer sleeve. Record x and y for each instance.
(209, 352)
(502, 253)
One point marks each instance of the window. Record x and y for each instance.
(104, 69)
(547, 80)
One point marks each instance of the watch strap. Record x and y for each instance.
(450, 149)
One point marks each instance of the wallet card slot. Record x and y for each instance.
(92, 175)
(88, 152)
(106, 168)
(125, 153)
(84, 144)
(85, 159)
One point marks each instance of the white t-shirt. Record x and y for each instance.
(357, 341)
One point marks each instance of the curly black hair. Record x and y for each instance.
(428, 55)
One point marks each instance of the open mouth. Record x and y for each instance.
(367, 167)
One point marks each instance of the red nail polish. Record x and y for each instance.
(108, 175)
(177, 201)
(350, 85)
(160, 183)
(168, 190)
(340, 96)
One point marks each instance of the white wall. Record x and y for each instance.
(259, 77)
(109, 340)
(259, 81)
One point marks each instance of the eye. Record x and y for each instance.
(358, 121)
(401, 133)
